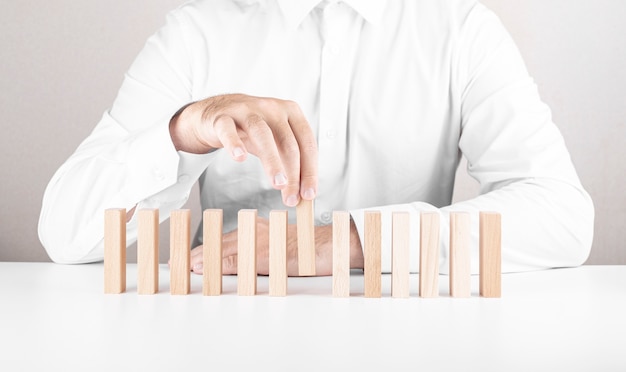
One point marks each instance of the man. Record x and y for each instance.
(357, 105)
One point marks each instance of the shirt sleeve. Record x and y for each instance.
(515, 152)
(129, 158)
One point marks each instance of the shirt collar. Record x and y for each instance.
(295, 11)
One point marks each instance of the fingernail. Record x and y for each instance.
(292, 201)
(309, 194)
(280, 179)
(238, 152)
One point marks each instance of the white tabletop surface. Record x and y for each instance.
(56, 317)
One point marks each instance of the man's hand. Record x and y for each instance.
(323, 250)
(274, 130)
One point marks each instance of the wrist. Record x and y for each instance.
(182, 132)
(176, 129)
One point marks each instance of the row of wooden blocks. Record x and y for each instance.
(180, 233)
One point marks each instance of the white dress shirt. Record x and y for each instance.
(394, 90)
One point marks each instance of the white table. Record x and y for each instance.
(56, 317)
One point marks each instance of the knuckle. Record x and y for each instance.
(216, 106)
(293, 153)
(220, 121)
(255, 124)
(276, 109)
(293, 186)
(290, 148)
(292, 106)
(308, 179)
(272, 163)
(266, 104)
(229, 263)
(254, 119)
(309, 146)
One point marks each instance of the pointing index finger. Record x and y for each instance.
(308, 152)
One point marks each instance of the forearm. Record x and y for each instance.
(112, 169)
(70, 223)
(545, 224)
(185, 137)
(129, 159)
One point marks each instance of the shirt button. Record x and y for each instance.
(333, 49)
(327, 217)
(330, 134)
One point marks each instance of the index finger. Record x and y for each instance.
(308, 152)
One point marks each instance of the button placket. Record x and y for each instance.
(340, 29)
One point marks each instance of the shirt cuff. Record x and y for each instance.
(154, 165)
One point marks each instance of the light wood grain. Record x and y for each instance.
(341, 254)
(278, 253)
(114, 250)
(400, 248)
(490, 254)
(180, 246)
(429, 255)
(460, 262)
(147, 251)
(212, 225)
(306, 237)
(372, 255)
(246, 252)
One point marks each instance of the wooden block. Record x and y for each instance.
(429, 255)
(372, 255)
(278, 253)
(400, 246)
(341, 254)
(180, 246)
(490, 253)
(246, 252)
(114, 250)
(460, 259)
(147, 251)
(306, 238)
(212, 223)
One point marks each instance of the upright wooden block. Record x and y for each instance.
(212, 224)
(400, 246)
(278, 253)
(460, 259)
(341, 254)
(114, 251)
(429, 255)
(306, 238)
(490, 253)
(246, 254)
(372, 255)
(180, 246)
(147, 251)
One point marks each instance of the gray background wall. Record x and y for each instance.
(62, 61)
